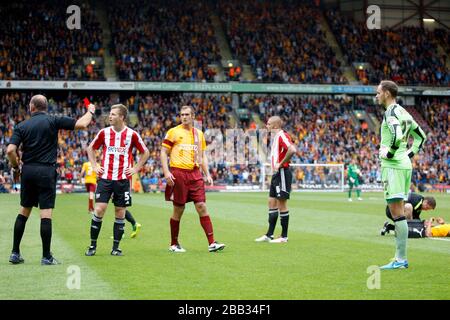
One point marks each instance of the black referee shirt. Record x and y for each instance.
(416, 200)
(39, 137)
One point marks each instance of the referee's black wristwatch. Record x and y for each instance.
(93, 113)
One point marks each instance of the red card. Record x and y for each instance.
(86, 102)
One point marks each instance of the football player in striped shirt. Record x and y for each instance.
(280, 185)
(117, 142)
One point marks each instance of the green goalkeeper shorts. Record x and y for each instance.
(396, 183)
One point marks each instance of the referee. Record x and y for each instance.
(39, 139)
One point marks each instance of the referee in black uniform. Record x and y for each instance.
(414, 206)
(39, 139)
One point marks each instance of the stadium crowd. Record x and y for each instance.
(408, 55)
(35, 43)
(320, 126)
(154, 113)
(168, 41)
(323, 131)
(71, 152)
(163, 40)
(434, 166)
(282, 41)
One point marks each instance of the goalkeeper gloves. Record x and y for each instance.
(385, 153)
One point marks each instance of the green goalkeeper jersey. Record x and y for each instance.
(353, 171)
(396, 128)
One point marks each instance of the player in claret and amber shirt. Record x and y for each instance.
(90, 181)
(186, 147)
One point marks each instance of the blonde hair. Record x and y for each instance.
(123, 110)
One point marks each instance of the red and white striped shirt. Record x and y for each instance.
(117, 151)
(280, 145)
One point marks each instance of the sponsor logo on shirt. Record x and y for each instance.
(116, 150)
(188, 147)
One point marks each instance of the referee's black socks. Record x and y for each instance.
(119, 229)
(96, 225)
(46, 236)
(19, 228)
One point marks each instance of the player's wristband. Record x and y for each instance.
(389, 155)
(411, 154)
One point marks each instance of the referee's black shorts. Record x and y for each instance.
(38, 186)
(280, 185)
(415, 214)
(118, 189)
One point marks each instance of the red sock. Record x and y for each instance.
(174, 229)
(91, 204)
(207, 226)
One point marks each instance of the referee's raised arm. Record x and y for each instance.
(38, 137)
(85, 120)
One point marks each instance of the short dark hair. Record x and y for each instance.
(391, 86)
(39, 102)
(188, 107)
(431, 201)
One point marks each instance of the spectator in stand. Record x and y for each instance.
(2, 184)
(320, 126)
(282, 41)
(163, 40)
(35, 43)
(407, 55)
(154, 184)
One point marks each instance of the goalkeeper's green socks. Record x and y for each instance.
(401, 237)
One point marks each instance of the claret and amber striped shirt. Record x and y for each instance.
(184, 146)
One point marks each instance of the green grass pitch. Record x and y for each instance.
(332, 243)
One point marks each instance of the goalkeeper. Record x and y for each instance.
(396, 167)
(353, 176)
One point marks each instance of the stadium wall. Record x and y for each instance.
(226, 87)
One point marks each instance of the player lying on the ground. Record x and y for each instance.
(437, 227)
(414, 206)
(434, 227)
